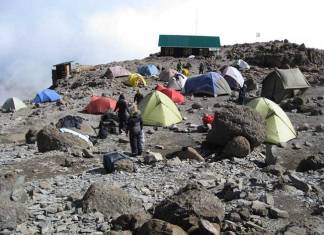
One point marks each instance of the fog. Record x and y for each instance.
(36, 34)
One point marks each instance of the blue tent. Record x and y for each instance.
(46, 95)
(148, 70)
(211, 83)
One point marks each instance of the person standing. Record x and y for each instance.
(179, 66)
(201, 68)
(242, 94)
(138, 97)
(134, 130)
(123, 112)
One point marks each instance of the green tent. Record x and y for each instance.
(283, 83)
(159, 110)
(278, 126)
(13, 104)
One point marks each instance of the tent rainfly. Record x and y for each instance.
(116, 72)
(278, 126)
(233, 77)
(13, 104)
(136, 80)
(284, 83)
(177, 82)
(159, 110)
(167, 74)
(148, 70)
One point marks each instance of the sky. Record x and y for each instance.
(35, 34)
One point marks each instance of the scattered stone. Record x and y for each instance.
(152, 157)
(296, 146)
(277, 170)
(11, 214)
(31, 136)
(260, 208)
(304, 127)
(276, 213)
(272, 155)
(298, 183)
(311, 163)
(130, 221)
(123, 140)
(196, 106)
(255, 226)
(124, 165)
(159, 227)
(44, 184)
(319, 127)
(111, 201)
(87, 153)
(190, 153)
(159, 146)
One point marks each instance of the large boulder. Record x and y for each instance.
(31, 136)
(50, 138)
(311, 163)
(159, 227)
(110, 200)
(239, 146)
(233, 120)
(190, 204)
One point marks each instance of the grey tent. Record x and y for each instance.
(13, 104)
(117, 71)
(283, 83)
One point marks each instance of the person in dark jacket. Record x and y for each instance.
(138, 97)
(242, 94)
(123, 112)
(134, 130)
(201, 68)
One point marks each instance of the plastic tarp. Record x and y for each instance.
(159, 110)
(148, 70)
(100, 104)
(136, 80)
(211, 84)
(84, 137)
(13, 104)
(46, 95)
(177, 82)
(234, 75)
(167, 74)
(117, 71)
(278, 126)
(174, 95)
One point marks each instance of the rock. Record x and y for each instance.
(255, 226)
(159, 146)
(204, 227)
(276, 213)
(235, 217)
(294, 230)
(304, 127)
(152, 157)
(111, 201)
(260, 208)
(277, 170)
(311, 163)
(124, 165)
(319, 127)
(268, 198)
(251, 84)
(31, 136)
(50, 138)
(196, 106)
(11, 214)
(87, 153)
(159, 227)
(130, 221)
(191, 154)
(127, 232)
(235, 120)
(298, 183)
(188, 205)
(123, 140)
(296, 146)
(239, 147)
(244, 213)
(44, 184)
(12, 188)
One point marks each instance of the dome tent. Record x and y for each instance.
(100, 104)
(167, 74)
(148, 70)
(135, 80)
(159, 110)
(117, 71)
(211, 83)
(13, 104)
(233, 77)
(278, 126)
(46, 95)
(177, 82)
(174, 95)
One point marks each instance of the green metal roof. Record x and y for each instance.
(187, 41)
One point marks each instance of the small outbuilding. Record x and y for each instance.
(186, 45)
(284, 83)
(61, 71)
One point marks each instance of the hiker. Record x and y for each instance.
(107, 125)
(123, 112)
(242, 94)
(134, 129)
(138, 97)
(179, 66)
(201, 68)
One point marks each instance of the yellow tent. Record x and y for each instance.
(278, 126)
(159, 110)
(136, 80)
(185, 72)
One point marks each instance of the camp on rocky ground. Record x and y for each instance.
(209, 165)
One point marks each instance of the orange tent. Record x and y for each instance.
(100, 104)
(174, 95)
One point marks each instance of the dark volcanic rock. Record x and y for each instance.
(111, 201)
(11, 214)
(311, 163)
(234, 120)
(238, 147)
(159, 227)
(188, 205)
(31, 136)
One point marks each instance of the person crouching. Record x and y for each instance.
(134, 130)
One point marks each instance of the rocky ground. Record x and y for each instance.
(66, 191)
